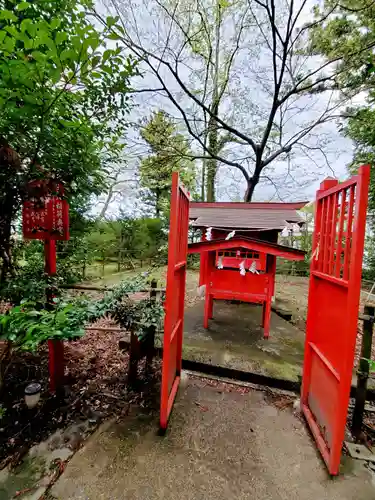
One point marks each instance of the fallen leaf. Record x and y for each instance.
(202, 408)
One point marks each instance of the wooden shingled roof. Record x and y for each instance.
(256, 216)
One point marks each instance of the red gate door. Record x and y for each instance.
(335, 284)
(175, 298)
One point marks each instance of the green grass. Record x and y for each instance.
(112, 277)
(95, 271)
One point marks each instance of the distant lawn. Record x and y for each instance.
(112, 277)
(95, 271)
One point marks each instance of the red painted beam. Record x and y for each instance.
(249, 244)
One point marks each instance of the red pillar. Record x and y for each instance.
(203, 263)
(209, 302)
(271, 271)
(50, 256)
(55, 347)
(266, 318)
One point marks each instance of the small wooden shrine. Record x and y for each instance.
(238, 250)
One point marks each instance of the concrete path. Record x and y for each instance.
(235, 339)
(220, 446)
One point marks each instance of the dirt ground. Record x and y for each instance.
(95, 389)
(292, 295)
(292, 292)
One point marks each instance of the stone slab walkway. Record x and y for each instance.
(222, 444)
(235, 339)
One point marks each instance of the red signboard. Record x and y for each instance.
(45, 215)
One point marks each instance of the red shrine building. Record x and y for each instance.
(238, 250)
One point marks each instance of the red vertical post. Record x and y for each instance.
(50, 256)
(210, 270)
(55, 347)
(203, 263)
(263, 314)
(267, 318)
(208, 304)
(271, 271)
(207, 309)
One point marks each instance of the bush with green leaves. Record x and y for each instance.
(29, 324)
(141, 317)
(30, 281)
(64, 99)
(136, 316)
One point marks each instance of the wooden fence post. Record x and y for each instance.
(145, 348)
(134, 355)
(150, 347)
(363, 371)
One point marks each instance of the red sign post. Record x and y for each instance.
(45, 216)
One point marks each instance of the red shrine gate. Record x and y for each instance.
(175, 298)
(334, 293)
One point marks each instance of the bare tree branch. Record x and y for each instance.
(321, 150)
(290, 84)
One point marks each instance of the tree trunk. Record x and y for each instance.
(212, 131)
(106, 203)
(254, 180)
(249, 191)
(10, 165)
(203, 178)
(157, 204)
(211, 163)
(6, 215)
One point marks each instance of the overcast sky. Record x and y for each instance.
(243, 107)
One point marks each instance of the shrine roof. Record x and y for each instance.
(256, 216)
(249, 244)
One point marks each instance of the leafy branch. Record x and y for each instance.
(29, 324)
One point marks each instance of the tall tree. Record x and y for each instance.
(277, 93)
(63, 102)
(169, 152)
(202, 27)
(350, 27)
